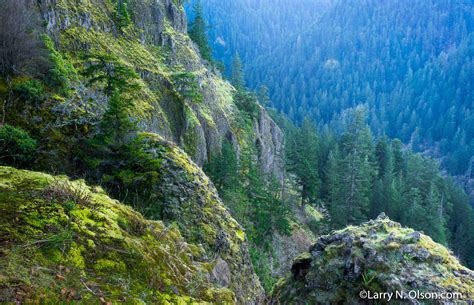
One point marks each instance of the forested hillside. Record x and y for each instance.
(410, 64)
(355, 168)
(132, 170)
(238, 25)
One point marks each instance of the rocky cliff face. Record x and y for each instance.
(179, 103)
(378, 256)
(180, 98)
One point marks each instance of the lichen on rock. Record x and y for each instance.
(377, 256)
(197, 112)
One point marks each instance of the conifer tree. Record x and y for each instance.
(435, 218)
(237, 73)
(303, 161)
(356, 144)
(223, 168)
(263, 96)
(198, 32)
(111, 149)
(335, 199)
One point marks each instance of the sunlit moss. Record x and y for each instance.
(138, 262)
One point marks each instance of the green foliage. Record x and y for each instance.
(419, 89)
(62, 71)
(254, 199)
(264, 96)
(85, 255)
(17, 148)
(60, 241)
(367, 279)
(118, 81)
(360, 178)
(224, 168)
(262, 261)
(30, 90)
(107, 70)
(116, 126)
(237, 73)
(122, 14)
(247, 103)
(186, 85)
(350, 171)
(198, 32)
(302, 160)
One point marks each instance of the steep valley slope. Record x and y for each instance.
(156, 231)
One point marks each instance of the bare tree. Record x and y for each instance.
(21, 49)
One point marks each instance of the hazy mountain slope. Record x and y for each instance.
(411, 64)
(264, 25)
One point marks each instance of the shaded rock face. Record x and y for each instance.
(378, 256)
(150, 15)
(269, 140)
(287, 247)
(156, 45)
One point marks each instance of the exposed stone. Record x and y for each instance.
(345, 262)
(221, 273)
(415, 236)
(198, 127)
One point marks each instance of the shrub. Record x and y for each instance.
(16, 146)
(61, 71)
(122, 14)
(29, 90)
(186, 86)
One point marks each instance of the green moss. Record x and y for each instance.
(63, 72)
(380, 256)
(240, 234)
(48, 248)
(191, 136)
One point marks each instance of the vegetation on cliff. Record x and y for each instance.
(356, 176)
(411, 64)
(107, 78)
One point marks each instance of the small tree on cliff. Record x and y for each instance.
(198, 32)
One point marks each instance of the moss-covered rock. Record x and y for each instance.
(377, 256)
(62, 240)
(174, 189)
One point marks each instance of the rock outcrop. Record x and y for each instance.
(180, 99)
(172, 188)
(375, 257)
(178, 192)
(62, 241)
